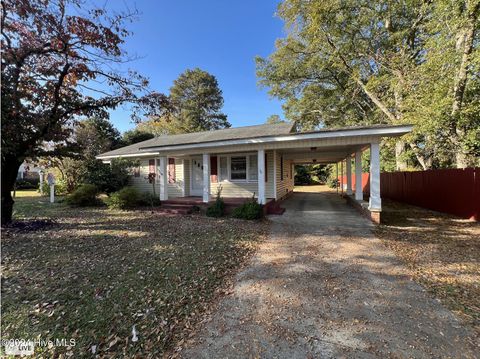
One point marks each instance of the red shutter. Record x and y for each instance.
(151, 166)
(266, 168)
(171, 170)
(213, 169)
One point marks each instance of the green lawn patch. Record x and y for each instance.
(97, 273)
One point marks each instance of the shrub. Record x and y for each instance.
(249, 210)
(61, 188)
(24, 184)
(108, 178)
(149, 199)
(127, 197)
(217, 209)
(83, 196)
(333, 182)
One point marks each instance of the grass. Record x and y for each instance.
(442, 252)
(98, 273)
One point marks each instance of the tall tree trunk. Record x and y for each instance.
(10, 166)
(465, 46)
(400, 163)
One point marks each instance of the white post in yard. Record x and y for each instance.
(163, 178)
(206, 177)
(51, 183)
(358, 176)
(349, 175)
(375, 202)
(261, 176)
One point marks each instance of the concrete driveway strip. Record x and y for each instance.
(322, 286)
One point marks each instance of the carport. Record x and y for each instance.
(346, 146)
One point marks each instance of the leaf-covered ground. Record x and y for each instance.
(442, 252)
(95, 274)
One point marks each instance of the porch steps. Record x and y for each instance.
(176, 208)
(274, 208)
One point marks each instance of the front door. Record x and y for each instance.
(196, 187)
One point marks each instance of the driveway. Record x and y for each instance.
(322, 286)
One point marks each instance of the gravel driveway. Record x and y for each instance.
(322, 286)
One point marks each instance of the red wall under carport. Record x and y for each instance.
(454, 191)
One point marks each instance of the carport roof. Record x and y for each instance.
(248, 135)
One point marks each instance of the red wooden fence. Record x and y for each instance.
(454, 191)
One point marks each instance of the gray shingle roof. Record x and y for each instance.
(206, 136)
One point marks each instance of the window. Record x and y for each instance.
(238, 168)
(223, 168)
(252, 168)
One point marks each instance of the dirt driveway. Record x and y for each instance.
(322, 286)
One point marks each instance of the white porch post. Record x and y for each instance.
(275, 173)
(349, 175)
(375, 203)
(261, 176)
(206, 177)
(338, 185)
(341, 176)
(163, 178)
(358, 176)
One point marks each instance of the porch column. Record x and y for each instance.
(337, 184)
(375, 202)
(349, 175)
(341, 177)
(358, 176)
(261, 176)
(163, 177)
(206, 177)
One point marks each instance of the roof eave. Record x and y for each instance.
(390, 131)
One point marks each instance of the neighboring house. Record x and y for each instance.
(29, 171)
(246, 161)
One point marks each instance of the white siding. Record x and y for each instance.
(176, 189)
(245, 189)
(286, 185)
(141, 183)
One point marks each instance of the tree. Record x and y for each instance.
(273, 119)
(60, 61)
(362, 62)
(134, 136)
(196, 102)
(96, 135)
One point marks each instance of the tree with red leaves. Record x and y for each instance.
(61, 62)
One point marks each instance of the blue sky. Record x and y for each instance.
(221, 37)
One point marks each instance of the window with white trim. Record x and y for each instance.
(252, 168)
(238, 168)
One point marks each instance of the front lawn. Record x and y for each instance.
(95, 274)
(441, 251)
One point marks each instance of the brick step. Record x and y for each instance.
(177, 206)
(174, 211)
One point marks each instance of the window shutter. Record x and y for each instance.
(171, 170)
(151, 166)
(266, 168)
(213, 169)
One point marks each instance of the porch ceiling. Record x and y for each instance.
(322, 155)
